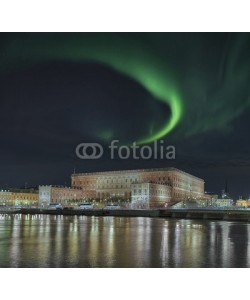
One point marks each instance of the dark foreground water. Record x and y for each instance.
(68, 241)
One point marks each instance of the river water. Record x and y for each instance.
(80, 241)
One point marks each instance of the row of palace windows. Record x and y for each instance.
(152, 192)
(119, 180)
(102, 183)
(60, 195)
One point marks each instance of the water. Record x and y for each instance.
(80, 241)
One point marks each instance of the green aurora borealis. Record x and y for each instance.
(143, 67)
(199, 100)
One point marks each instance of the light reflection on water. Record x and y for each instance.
(80, 241)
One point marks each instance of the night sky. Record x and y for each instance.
(191, 90)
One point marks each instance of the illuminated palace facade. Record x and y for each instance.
(145, 188)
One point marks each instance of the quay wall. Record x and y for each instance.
(227, 215)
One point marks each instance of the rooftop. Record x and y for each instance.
(17, 190)
(135, 171)
(60, 186)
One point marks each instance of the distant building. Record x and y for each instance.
(242, 203)
(58, 194)
(6, 198)
(23, 197)
(223, 202)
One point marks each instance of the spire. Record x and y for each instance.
(225, 192)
